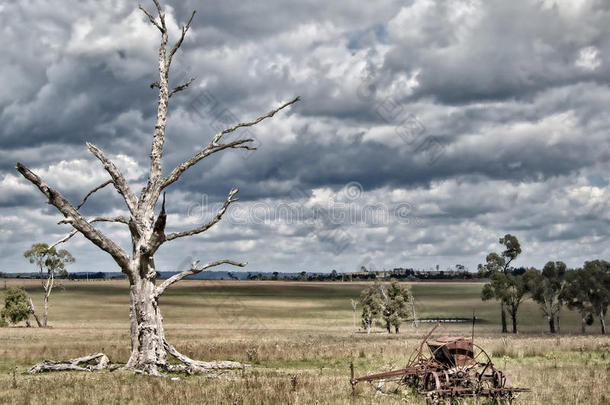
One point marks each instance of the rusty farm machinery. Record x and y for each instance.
(449, 369)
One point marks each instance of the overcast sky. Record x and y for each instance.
(426, 131)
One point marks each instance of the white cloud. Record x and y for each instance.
(521, 110)
(588, 58)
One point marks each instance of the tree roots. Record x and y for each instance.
(100, 361)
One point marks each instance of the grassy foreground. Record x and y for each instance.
(297, 337)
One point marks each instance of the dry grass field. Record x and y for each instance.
(298, 339)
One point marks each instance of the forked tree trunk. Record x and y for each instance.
(602, 321)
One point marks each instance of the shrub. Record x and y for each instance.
(16, 307)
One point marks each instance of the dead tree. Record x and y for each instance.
(33, 312)
(354, 306)
(149, 348)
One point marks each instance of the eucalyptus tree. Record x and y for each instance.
(397, 305)
(371, 301)
(589, 291)
(50, 262)
(511, 289)
(149, 348)
(546, 289)
(574, 296)
(500, 263)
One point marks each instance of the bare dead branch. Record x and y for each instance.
(101, 186)
(214, 146)
(92, 362)
(65, 238)
(155, 84)
(120, 219)
(82, 225)
(151, 18)
(181, 87)
(96, 219)
(179, 42)
(256, 121)
(117, 178)
(207, 151)
(196, 365)
(33, 312)
(150, 193)
(207, 226)
(161, 15)
(193, 270)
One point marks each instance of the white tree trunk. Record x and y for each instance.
(33, 311)
(45, 310)
(147, 352)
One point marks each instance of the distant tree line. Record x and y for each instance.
(390, 275)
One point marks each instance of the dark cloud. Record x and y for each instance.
(477, 118)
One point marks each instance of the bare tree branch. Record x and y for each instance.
(150, 193)
(120, 219)
(181, 87)
(96, 219)
(117, 178)
(193, 270)
(151, 18)
(95, 236)
(252, 123)
(203, 366)
(33, 312)
(92, 362)
(215, 146)
(207, 226)
(179, 42)
(161, 14)
(101, 186)
(65, 238)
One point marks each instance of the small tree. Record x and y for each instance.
(16, 308)
(51, 263)
(392, 303)
(546, 288)
(574, 296)
(371, 301)
(510, 289)
(354, 306)
(397, 302)
(589, 291)
(501, 263)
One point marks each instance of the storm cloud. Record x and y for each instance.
(427, 129)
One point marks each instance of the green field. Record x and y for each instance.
(298, 339)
